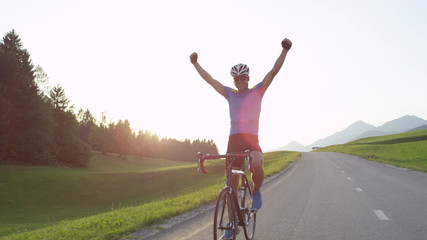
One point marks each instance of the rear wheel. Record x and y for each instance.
(225, 217)
(250, 217)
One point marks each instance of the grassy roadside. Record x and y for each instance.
(35, 196)
(406, 150)
(116, 223)
(193, 191)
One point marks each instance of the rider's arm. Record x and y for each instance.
(205, 75)
(278, 65)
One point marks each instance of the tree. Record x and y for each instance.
(59, 100)
(42, 81)
(122, 137)
(87, 123)
(6, 117)
(24, 117)
(39, 127)
(67, 147)
(100, 138)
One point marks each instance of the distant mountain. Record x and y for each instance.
(399, 125)
(371, 133)
(361, 129)
(344, 136)
(294, 146)
(418, 128)
(402, 124)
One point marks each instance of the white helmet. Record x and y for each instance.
(239, 69)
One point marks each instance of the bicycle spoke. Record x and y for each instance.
(250, 216)
(222, 218)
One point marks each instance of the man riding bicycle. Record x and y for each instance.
(245, 108)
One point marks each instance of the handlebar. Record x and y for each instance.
(202, 157)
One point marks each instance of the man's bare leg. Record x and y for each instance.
(257, 178)
(258, 167)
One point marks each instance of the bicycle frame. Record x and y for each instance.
(230, 158)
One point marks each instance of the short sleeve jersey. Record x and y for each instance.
(245, 109)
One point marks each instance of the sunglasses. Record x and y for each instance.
(241, 78)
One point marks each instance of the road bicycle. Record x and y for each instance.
(233, 210)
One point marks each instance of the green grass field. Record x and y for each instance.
(110, 198)
(406, 150)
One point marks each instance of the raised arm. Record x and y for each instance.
(286, 45)
(205, 75)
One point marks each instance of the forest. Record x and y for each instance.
(41, 127)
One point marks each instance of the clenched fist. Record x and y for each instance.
(193, 57)
(286, 44)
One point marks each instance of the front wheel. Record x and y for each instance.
(250, 216)
(225, 217)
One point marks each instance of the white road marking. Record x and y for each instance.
(380, 215)
(358, 189)
(342, 171)
(350, 179)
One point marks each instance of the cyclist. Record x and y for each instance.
(245, 107)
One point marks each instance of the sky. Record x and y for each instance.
(351, 60)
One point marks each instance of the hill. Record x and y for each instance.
(418, 128)
(359, 130)
(407, 150)
(399, 125)
(294, 146)
(345, 135)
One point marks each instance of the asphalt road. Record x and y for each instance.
(331, 196)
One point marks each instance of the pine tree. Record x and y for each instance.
(67, 147)
(25, 122)
(86, 124)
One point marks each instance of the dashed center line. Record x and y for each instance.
(380, 215)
